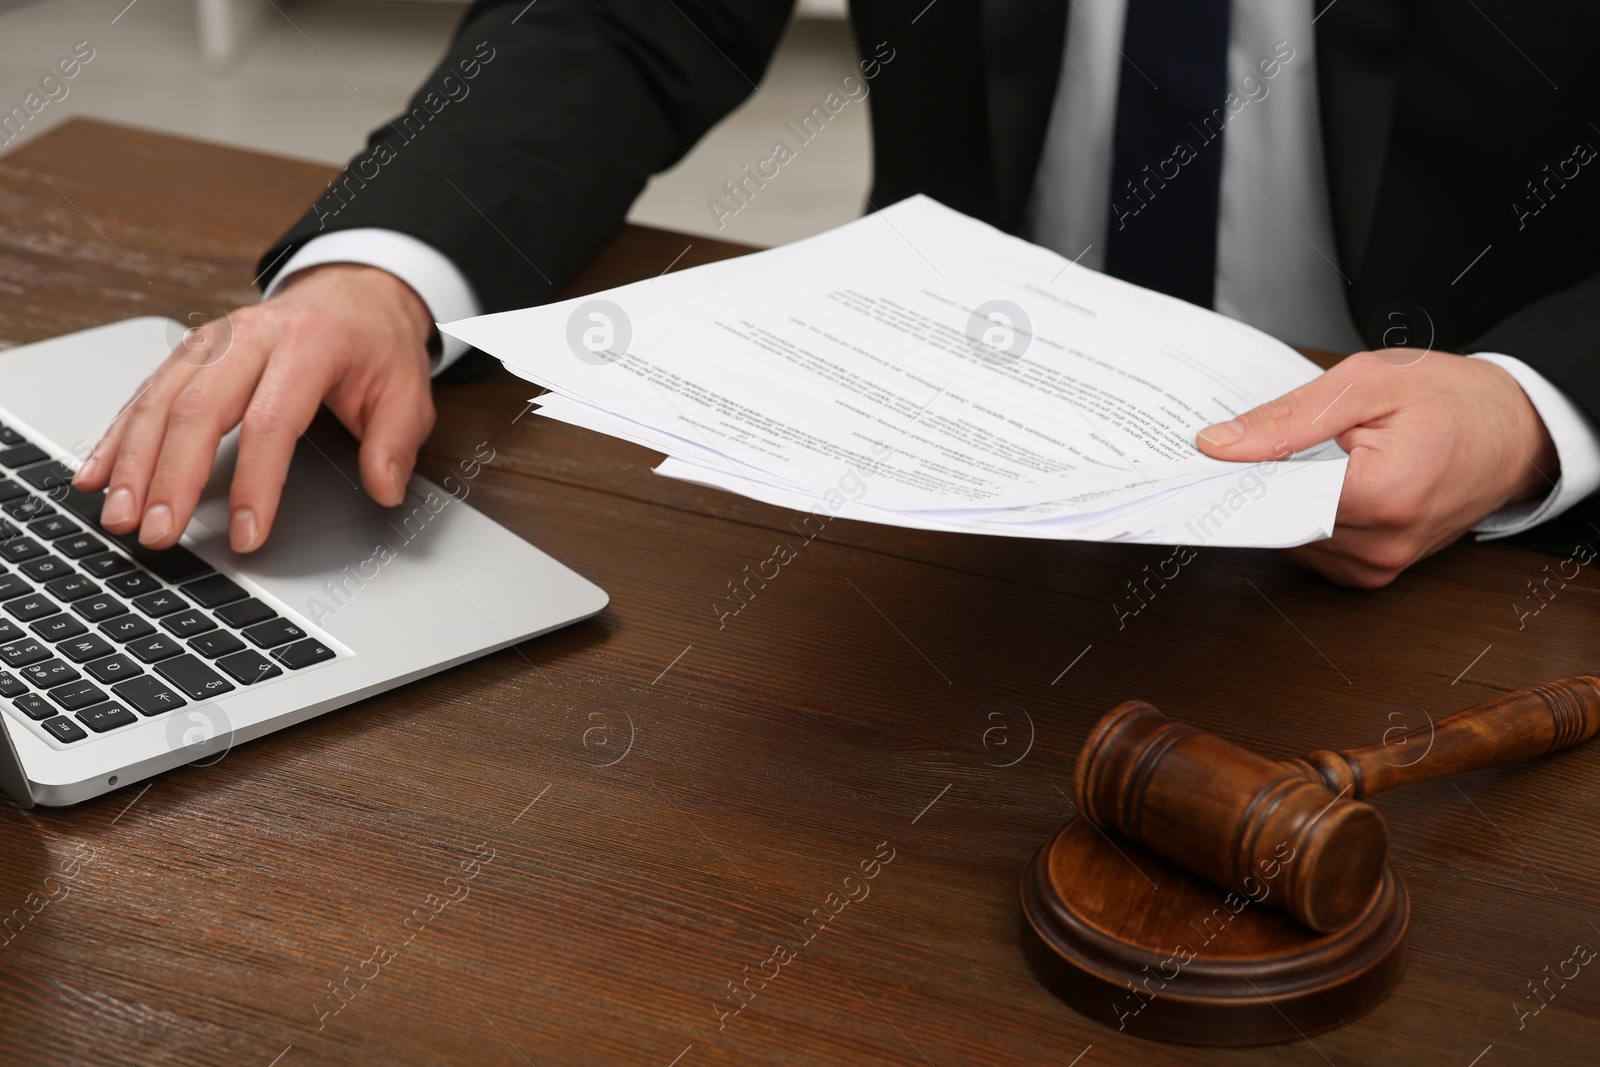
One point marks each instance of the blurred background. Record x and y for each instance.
(309, 78)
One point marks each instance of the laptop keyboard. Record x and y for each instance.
(98, 632)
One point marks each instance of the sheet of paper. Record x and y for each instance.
(972, 379)
(1226, 512)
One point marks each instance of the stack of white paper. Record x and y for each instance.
(920, 368)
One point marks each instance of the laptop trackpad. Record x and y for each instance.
(323, 492)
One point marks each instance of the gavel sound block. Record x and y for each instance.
(1161, 910)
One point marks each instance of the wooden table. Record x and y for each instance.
(665, 799)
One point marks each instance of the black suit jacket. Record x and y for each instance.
(1460, 144)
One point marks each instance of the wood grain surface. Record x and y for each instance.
(665, 800)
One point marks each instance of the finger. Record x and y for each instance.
(196, 351)
(95, 472)
(207, 407)
(96, 469)
(1367, 558)
(1352, 393)
(285, 402)
(398, 424)
(1387, 487)
(1338, 567)
(139, 430)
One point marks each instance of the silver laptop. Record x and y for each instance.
(118, 663)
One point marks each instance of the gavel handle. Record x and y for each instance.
(1517, 726)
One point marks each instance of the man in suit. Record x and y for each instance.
(1412, 177)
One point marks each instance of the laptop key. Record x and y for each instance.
(126, 628)
(99, 607)
(58, 627)
(64, 729)
(78, 695)
(302, 653)
(12, 586)
(105, 564)
(28, 608)
(103, 717)
(217, 643)
(83, 649)
(112, 669)
(50, 673)
(20, 548)
(11, 685)
(215, 591)
(35, 706)
(10, 490)
(24, 652)
(154, 648)
(71, 587)
(248, 668)
(46, 568)
(48, 529)
(26, 508)
(148, 695)
(47, 476)
(136, 584)
(10, 437)
(194, 678)
(78, 546)
(82, 503)
(176, 564)
(9, 631)
(21, 456)
(187, 623)
(245, 613)
(273, 632)
(161, 602)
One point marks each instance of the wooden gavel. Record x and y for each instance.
(1294, 834)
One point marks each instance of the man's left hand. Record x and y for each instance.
(1436, 442)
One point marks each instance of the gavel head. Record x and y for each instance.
(1268, 830)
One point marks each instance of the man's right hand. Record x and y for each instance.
(352, 337)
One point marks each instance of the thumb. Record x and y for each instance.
(398, 425)
(1323, 408)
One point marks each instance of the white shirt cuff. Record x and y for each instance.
(428, 271)
(1577, 446)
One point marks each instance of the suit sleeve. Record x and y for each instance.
(1557, 337)
(522, 152)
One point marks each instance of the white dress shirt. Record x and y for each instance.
(1276, 268)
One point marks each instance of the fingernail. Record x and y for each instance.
(1224, 433)
(397, 484)
(117, 509)
(157, 524)
(242, 530)
(86, 471)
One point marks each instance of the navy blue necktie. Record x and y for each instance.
(1167, 149)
